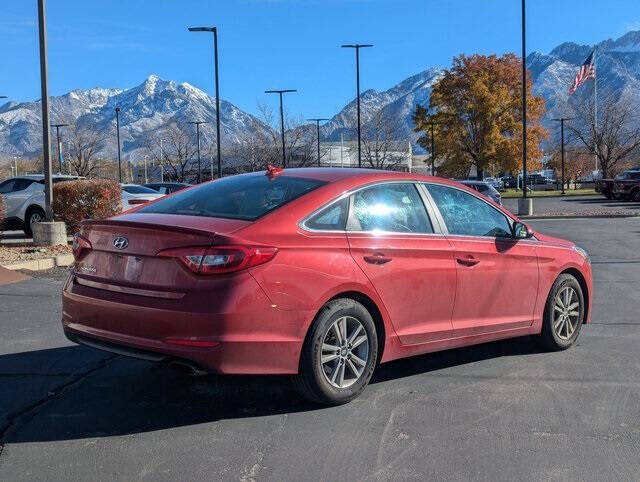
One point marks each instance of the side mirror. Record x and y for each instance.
(521, 231)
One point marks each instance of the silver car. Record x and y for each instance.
(484, 188)
(24, 200)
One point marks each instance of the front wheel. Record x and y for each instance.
(339, 354)
(564, 314)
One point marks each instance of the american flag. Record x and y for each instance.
(587, 71)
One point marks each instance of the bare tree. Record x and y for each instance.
(85, 143)
(383, 144)
(261, 144)
(613, 140)
(173, 148)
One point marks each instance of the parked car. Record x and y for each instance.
(167, 187)
(509, 181)
(538, 180)
(24, 200)
(627, 185)
(135, 194)
(495, 182)
(484, 188)
(321, 274)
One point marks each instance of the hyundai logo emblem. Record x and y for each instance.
(121, 242)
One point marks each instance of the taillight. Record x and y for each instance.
(138, 201)
(80, 244)
(221, 259)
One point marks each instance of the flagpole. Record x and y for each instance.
(595, 108)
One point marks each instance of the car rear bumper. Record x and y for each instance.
(244, 335)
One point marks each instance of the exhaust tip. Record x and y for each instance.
(187, 368)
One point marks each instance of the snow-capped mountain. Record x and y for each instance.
(144, 108)
(617, 67)
(157, 102)
(398, 103)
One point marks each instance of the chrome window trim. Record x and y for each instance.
(437, 231)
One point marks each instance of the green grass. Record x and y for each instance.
(512, 193)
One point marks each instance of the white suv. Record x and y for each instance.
(24, 199)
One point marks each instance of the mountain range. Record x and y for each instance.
(157, 102)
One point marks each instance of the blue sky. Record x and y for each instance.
(280, 43)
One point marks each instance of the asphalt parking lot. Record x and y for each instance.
(503, 411)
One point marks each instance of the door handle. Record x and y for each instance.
(377, 259)
(467, 261)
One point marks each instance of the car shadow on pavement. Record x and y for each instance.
(116, 395)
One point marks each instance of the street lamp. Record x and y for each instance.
(118, 135)
(282, 91)
(357, 48)
(197, 123)
(214, 30)
(524, 108)
(58, 126)
(44, 87)
(317, 120)
(561, 120)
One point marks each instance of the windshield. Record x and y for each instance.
(244, 197)
(138, 190)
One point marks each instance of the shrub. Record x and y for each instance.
(74, 201)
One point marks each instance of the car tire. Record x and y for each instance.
(562, 318)
(635, 195)
(34, 215)
(334, 381)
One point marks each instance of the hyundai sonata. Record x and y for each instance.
(321, 274)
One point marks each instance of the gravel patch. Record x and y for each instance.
(14, 254)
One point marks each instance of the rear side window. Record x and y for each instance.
(465, 214)
(244, 197)
(392, 207)
(331, 218)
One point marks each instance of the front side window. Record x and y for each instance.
(245, 197)
(465, 214)
(393, 207)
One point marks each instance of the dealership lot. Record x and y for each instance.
(501, 411)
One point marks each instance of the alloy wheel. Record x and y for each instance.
(566, 313)
(345, 352)
(35, 217)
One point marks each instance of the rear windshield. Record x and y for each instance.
(138, 190)
(244, 197)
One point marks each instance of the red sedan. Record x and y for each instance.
(321, 274)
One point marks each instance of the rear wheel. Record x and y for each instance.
(563, 314)
(34, 215)
(339, 354)
(635, 195)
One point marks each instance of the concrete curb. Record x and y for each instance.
(580, 216)
(43, 263)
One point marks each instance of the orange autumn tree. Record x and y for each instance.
(477, 107)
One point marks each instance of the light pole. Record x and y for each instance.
(282, 91)
(58, 126)
(46, 147)
(146, 178)
(317, 120)
(214, 30)
(357, 48)
(524, 101)
(561, 120)
(118, 135)
(197, 123)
